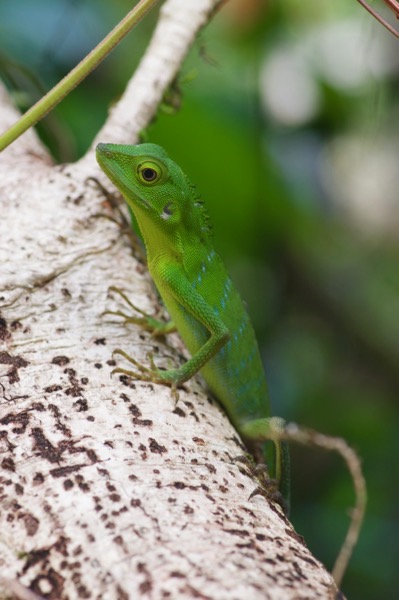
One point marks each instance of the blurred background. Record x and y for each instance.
(286, 116)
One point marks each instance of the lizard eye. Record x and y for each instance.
(149, 172)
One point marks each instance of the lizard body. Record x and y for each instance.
(201, 299)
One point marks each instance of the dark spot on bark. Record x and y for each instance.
(4, 333)
(78, 199)
(52, 388)
(135, 502)
(62, 471)
(74, 391)
(61, 361)
(80, 404)
(52, 580)
(4, 437)
(121, 594)
(136, 412)
(295, 535)
(211, 468)
(68, 484)
(91, 455)
(84, 380)
(242, 533)
(177, 574)
(146, 586)
(116, 513)
(309, 560)
(188, 510)
(34, 557)
(179, 412)
(156, 448)
(19, 490)
(8, 464)
(61, 545)
(97, 503)
(60, 426)
(100, 342)
(30, 522)
(192, 592)
(82, 483)
(44, 447)
(115, 497)
(143, 422)
(247, 546)
(78, 550)
(16, 363)
(103, 472)
(98, 365)
(21, 419)
(179, 485)
(65, 292)
(127, 381)
(38, 479)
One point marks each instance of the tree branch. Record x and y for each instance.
(177, 28)
(108, 488)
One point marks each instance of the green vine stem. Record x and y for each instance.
(74, 77)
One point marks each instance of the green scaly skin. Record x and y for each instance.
(197, 291)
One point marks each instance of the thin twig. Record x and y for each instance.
(313, 438)
(393, 5)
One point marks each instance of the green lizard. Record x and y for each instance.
(205, 307)
(210, 316)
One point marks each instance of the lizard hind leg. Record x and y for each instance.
(276, 455)
(267, 486)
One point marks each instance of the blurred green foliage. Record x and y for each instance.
(289, 126)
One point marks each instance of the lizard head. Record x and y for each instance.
(160, 195)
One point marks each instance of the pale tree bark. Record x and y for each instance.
(109, 488)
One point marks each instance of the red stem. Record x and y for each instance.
(393, 5)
